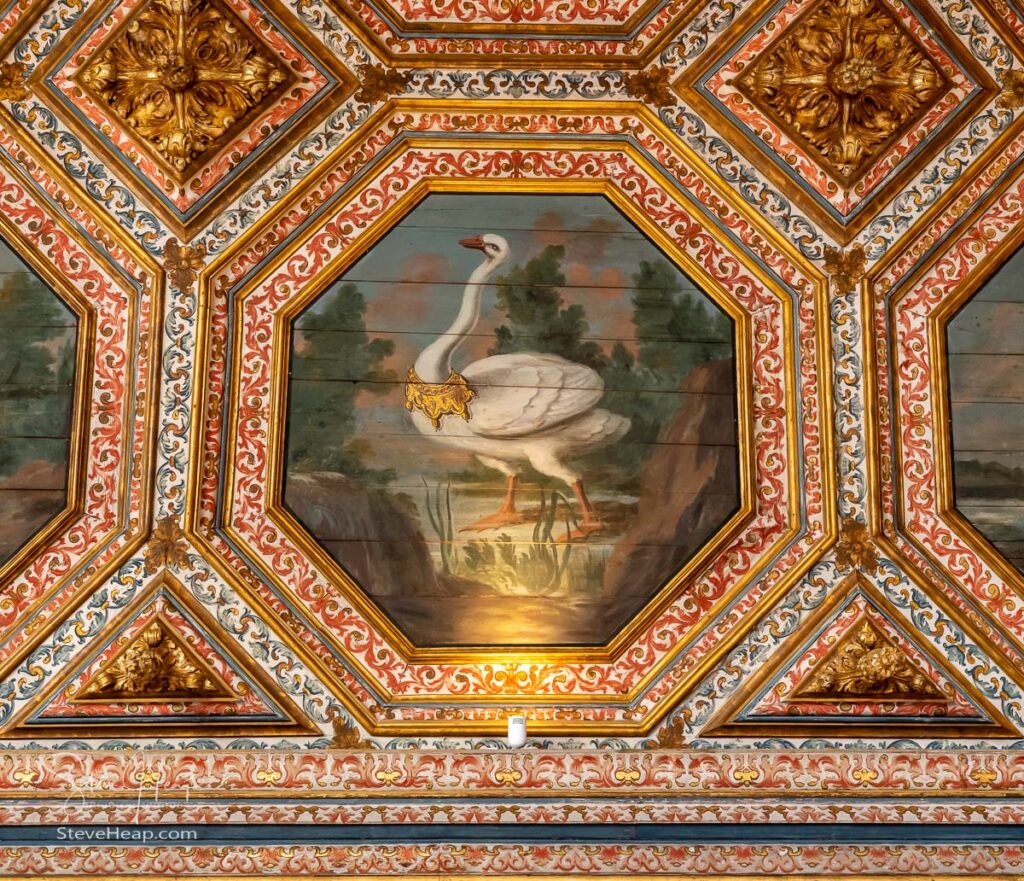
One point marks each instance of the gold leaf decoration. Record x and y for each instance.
(671, 735)
(651, 86)
(845, 80)
(347, 736)
(12, 81)
(437, 400)
(378, 83)
(864, 664)
(157, 665)
(1012, 95)
(184, 75)
(855, 549)
(845, 267)
(167, 547)
(182, 263)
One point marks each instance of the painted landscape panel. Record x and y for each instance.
(37, 363)
(512, 421)
(986, 372)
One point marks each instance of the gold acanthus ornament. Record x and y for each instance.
(155, 665)
(845, 80)
(864, 664)
(437, 400)
(183, 74)
(12, 81)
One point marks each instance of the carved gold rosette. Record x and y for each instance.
(156, 665)
(866, 665)
(845, 80)
(437, 400)
(184, 75)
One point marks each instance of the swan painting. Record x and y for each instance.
(510, 410)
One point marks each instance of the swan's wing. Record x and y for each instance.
(527, 392)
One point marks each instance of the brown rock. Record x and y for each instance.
(368, 531)
(696, 462)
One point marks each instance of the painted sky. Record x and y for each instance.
(414, 278)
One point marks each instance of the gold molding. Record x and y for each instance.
(296, 722)
(583, 876)
(725, 723)
(243, 582)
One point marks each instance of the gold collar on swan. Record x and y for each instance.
(437, 400)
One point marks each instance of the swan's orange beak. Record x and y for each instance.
(476, 242)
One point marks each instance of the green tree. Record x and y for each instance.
(335, 363)
(656, 286)
(538, 319)
(675, 330)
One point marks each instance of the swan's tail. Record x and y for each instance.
(594, 429)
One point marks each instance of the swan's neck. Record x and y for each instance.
(435, 362)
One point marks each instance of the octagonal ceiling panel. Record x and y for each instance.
(518, 441)
(38, 345)
(107, 451)
(986, 390)
(257, 510)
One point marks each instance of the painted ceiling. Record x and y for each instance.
(841, 177)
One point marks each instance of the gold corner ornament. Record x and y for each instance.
(866, 665)
(846, 268)
(156, 665)
(183, 74)
(347, 735)
(182, 263)
(377, 83)
(855, 549)
(844, 80)
(167, 547)
(437, 400)
(12, 81)
(652, 86)
(1011, 95)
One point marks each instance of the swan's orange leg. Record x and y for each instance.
(590, 523)
(506, 516)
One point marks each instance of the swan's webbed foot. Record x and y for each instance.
(582, 531)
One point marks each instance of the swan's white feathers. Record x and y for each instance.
(529, 393)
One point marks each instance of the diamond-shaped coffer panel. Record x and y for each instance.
(986, 382)
(846, 80)
(184, 74)
(845, 98)
(38, 334)
(513, 421)
(189, 97)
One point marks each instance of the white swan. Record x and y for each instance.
(508, 410)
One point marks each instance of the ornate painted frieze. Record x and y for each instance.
(199, 181)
